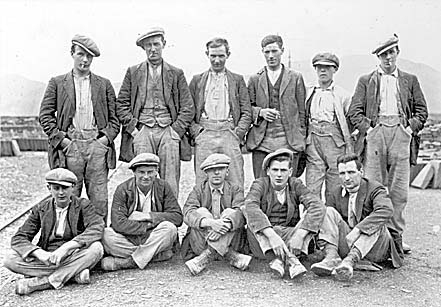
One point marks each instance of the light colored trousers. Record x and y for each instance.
(161, 239)
(73, 264)
(163, 142)
(374, 247)
(219, 137)
(198, 241)
(322, 152)
(387, 161)
(87, 160)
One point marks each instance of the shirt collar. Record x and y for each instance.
(221, 73)
(344, 191)
(329, 88)
(81, 77)
(220, 189)
(277, 71)
(382, 72)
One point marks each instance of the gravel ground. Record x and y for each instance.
(418, 283)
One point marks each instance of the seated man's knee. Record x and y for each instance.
(10, 262)
(169, 227)
(204, 212)
(108, 239)
(97, 249)
(228, 211)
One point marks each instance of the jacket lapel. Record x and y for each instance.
(167, 81)
(72, 214)
(231, 90)
(95, 85)
(201, 91)
(402, 86)
(290, 213)
(142, 86)
(69, 88)
(225, 199)
(263, 84)
(361, 196)
(286, 77)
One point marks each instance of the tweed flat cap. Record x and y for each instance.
(61, 176)
(145, 159)
(386, 45)
(215, 160)
(87, 44)
(279, 152)
(151, 32)
(326, 58)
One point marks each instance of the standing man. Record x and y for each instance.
(272, 211)
(155, 108)
(360, 211)
(79, 117)
(328, 133)
(223, 112)
(145, 216)
(69, 244)
(388, 110)
(277, 97)
(215, 222)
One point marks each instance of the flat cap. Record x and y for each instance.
(144, 159)
(61, 176)
(279, 152)
(87, 44)
(151, 32)
(386, 45)
(326, 58)
(215, 160)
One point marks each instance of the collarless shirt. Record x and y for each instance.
(145, 201)
(83, 118)
(322, 105)
(389, 93)
(273, 75)
(216, 96)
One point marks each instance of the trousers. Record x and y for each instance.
(161, 239)
(73, 264)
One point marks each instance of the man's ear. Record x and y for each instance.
(164, 42)
(206, 52)
(362, 171)
(290, 171)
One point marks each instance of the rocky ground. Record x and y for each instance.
(418, 283)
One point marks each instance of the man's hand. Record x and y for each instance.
(103, 140)
(57, 255)
(140, 216)
(269, 114)
(354, 134)
(295, 244)
(213, 235)
(219, 226)
(42, 255)
(278, 246)
(353, 236)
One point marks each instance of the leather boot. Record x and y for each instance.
(238, 260)
(116, 263)
(277, 266)
(345, 270)
(199, 263)
(83, 277)
(28, 285)
(327, 265)
(295, 267)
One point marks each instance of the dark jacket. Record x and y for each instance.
(258, 204)
(238, 100)
(165, 207)
(292, 108)
(373, 209)
(177, 98)
(58, 109)
(365, 105)
(85, 226)
(232, 197)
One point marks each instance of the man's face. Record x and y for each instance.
(273, 55)
(82, 60)
(325, 73)
(217, 56)
(216, 175)
(388, 59)
(279, 173)
(350, 175)
(61, 194)
(153, 47)
(144, 175)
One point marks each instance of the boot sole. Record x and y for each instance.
(321, 271)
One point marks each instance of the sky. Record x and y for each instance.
(35, 35)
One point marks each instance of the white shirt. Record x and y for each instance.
(281, 195)
(60, 223)
(216, 96)
(322, 105)
(389, 94)
(273, 75)
(352, 220)
(83, 118)
(145, 200)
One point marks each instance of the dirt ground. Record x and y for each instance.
(417, 283)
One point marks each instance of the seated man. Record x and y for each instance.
(144, 218)
(359, 211)
(215, 222)
(274, 218)
(69, 242)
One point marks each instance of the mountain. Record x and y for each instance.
(21, 96)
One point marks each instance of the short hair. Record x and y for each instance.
(281, 158)
(348, 158)
(72, 48)
(272, 38)
(218, 42)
